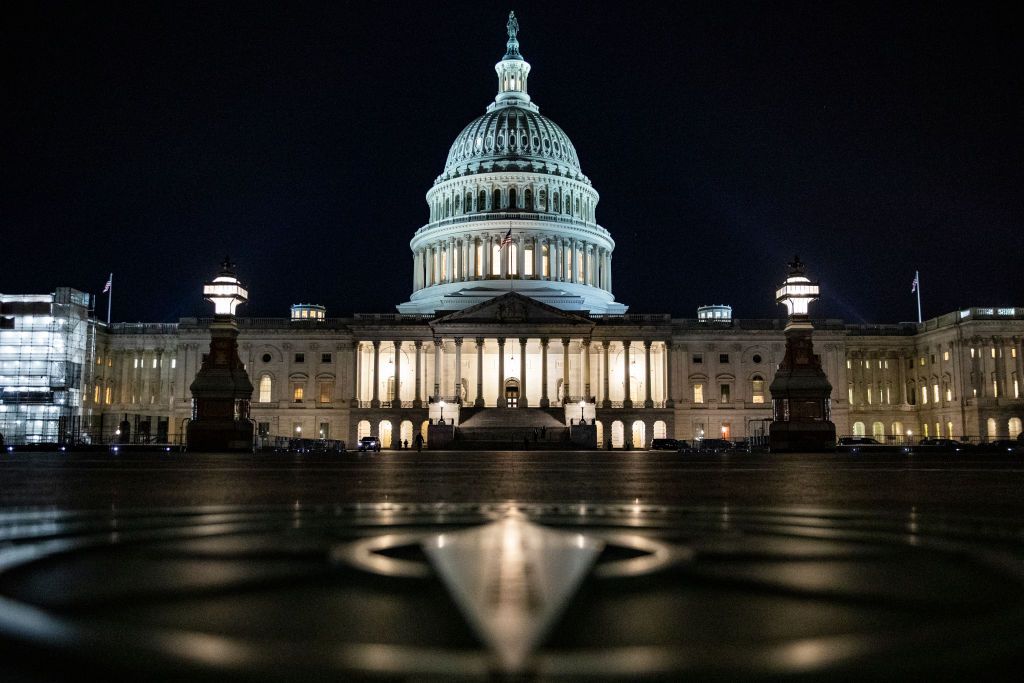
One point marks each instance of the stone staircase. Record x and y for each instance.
(511, 429)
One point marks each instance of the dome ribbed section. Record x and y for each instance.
(512, 139)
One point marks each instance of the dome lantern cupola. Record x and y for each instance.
(513, 71)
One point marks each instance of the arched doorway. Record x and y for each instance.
(511, 393)
(659, 429)
(600, 433)
(617, 434)
(385, 434)
(405, 433)
(878, 431)
(363, 429)
(858, 429)
(424, 430)
(639, 434)
(1015, 427)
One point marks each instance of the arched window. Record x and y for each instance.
(897, 429)
(481, 200)
(424, 430)
(858, 429)
(512, 199)
(993, 429)
(1015, 427)
(447, 207)
(363, 429)
(458, 203)
(496, 200)
(660, 428)
(568, 205)
(555, 206)
(949, 429)
(266, 386)
(528, 195)
(577, 206)
(405, 433)
(541, 198)
(468, 206)
(600, 433)
(878, 430)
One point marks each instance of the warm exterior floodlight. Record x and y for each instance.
(226, 291)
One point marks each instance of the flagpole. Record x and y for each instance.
(110, 297)
(917, 279)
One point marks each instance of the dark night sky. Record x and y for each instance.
(872, 139)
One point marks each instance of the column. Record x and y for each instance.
(479, 402)
(902, 378)
(670, 399)
(501, 372)
(565, 372)
(375, 401)
(538, 259)
(609, 287)
(503, 256)
(354, 384)
(626, 401)
(586, 370)
(648, 402)
(437, 368)
(458, 370)
(606, 402)
(521, 256)
(1018, 344)
(398, 375)
(544, 402)
(451, 259)
(575, 258)
(999, 344)
(417, 401)
(522, 373)
(471, 259)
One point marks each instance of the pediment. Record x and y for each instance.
(513, 309)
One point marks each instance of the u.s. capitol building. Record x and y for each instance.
(512, 323)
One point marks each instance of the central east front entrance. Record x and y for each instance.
(512, 393)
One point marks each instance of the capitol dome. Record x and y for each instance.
(512, 211)
(512, 139)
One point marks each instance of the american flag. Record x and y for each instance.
(507, 239)
(914, 285)
(110, 283)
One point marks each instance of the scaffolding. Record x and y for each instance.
(46, 345)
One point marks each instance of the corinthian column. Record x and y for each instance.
(418, 400)
(398, 376)
(648, 403)
(626, 402)
(458, 369)
(501, 372)
(607, 400)
(544, 402)
(522, 373)
(586, 370)
(375, 401)
(479, 402)
(437, 367)
(565, 372)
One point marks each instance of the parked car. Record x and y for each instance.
(714, 446)
(950, 445)
(369, 443)
(668, 444)
(1001, 446)
(858, 441)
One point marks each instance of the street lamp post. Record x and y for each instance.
(581, 412)
(442, 412)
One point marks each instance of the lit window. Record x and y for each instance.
(1016, 388)
(174, 363)
(1013, 353)
(266, 384)
(110, 362)
(154, 362)
(698, 393)
(326, 391)
(109, 396)
(949, 394)
(297, 393)
(921, 361)
(945, 356)
(935, 393)
(924, 395)
(849, 394)
(135, 362)
(724, 391)
(972, 352)
(757, 389)
(993, 352)
(96, 394)
(995, 388)
(848, 364)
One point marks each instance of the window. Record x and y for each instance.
(757, 389)
(109, 396)
(935, 393)
(848, 364)
(266, 358)
(972, 352)
(921, 361)
(263, 428)
(135, 362)
(945, 356)
(723, 391)
(924, 395)
(154, 362)
(993, 352)
(326, 392)
(325, 428)
(174, 363)
(300, 358)
(266, 384)
(698, 358)
(995, 387)
(297, 392)
(698, 393)
(325, 358)
(933, 359)
(96, 394)
(1013, 352)
(723, 358)
(528, 261)
(849, 393)
(757, 358)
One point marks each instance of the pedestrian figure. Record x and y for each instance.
(405, 444)
(419, 443)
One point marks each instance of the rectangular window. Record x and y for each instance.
(933, 359)
(993, 352)
(96, 394)
(935, 393)
(995, 389)
(99, 360)
(949, 394)
(174, 363)
(154, 362)
(724, 392)
(922, 360)
(848, 364)
(325, 430)
(109, 396)
(723, 358)
(326, 392)
(300, 358)
(849, 393)
(110, 362)
(924, 395)
(297, 393)
(135, 362)
(945, 355)
(263, 428)
(886, 365)
(545, 261)
(972, 352)
(479, 265)
(698, 358)
(698, 393)
(1013, 352)
(325, 358)
(528, 261)
(1016, 388)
